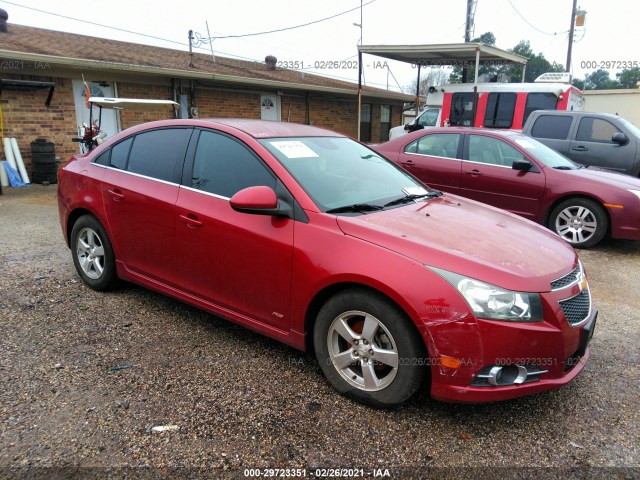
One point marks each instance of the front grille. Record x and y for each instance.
(577, 308)
(568, 279)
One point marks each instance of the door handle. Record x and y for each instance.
(191, 221)
(580, 149)
(116, 194)
(474, 173)
(408, 163)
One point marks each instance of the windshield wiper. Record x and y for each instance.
(356, 207)
(412, 197)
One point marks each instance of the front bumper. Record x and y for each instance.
(462, 386)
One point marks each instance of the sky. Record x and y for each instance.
(610, 36)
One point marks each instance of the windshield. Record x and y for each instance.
(630, 126)
(342, 175)
(544, 154)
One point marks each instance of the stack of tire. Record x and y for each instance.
(43, 158)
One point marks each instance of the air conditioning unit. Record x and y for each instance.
(554, 77)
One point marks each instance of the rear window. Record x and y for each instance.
(552, 126)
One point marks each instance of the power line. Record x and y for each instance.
(295, 26)
(531, 25)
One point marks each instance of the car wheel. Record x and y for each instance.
(92, 253)
(581, 222)
(368, 349)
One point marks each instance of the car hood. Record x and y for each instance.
(603, 177)
(471, 239)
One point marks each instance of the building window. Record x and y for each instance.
(385, 122)
(500, 108)
(365, 123)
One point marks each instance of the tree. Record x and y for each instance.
(433, 76)
(488, 38)
(599, 80)
(536, 65)
(628, 78)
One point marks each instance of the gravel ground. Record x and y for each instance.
(87, 375)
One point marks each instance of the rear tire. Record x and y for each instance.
(93, 254)
(579, 221)
(368, 349)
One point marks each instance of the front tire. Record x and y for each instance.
(368, 349)
(579, 221)
(93, 254)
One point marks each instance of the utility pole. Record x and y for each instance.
(571, 28)
(467, 33)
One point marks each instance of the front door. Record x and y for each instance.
(238, 261)
(270, 107)
(488, 176)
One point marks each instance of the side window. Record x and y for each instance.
(104, 158)
(120, 153)
(224, 166)
(552, 126)
(595, 130)
(437, 145)
(500, 108)
(462, 109)
(492, 151)
(157, 152)
(429, 118)
(539, 101)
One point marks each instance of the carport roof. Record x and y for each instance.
(443, 54)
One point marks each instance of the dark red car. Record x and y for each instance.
(315, 240)
(509, 170)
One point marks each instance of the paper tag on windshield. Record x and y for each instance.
(294, 149)
(414, 191)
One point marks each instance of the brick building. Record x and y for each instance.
(226, 88)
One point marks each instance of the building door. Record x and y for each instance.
(270, 107)
(109, 120)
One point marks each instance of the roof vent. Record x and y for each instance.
(554, 77)
(4, 16)
(271, 62)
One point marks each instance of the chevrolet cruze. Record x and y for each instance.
(315, 240)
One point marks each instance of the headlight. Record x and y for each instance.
(495, 303)
(635, 192)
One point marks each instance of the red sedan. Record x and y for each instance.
(517, 173)
(315, 240)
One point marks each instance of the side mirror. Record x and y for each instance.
(407, 126)
(522, 165)
(620, 138)
(259, 200)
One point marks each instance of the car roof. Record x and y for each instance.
(577, 113)
(490, 131)
(270, 128)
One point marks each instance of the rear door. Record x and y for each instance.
(140, 189)
(593, 146)
(435, 159)
(238, 261)
(488, 176)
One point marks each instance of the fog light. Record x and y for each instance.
(505, 375)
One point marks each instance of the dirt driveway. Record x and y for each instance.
(86, 377)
